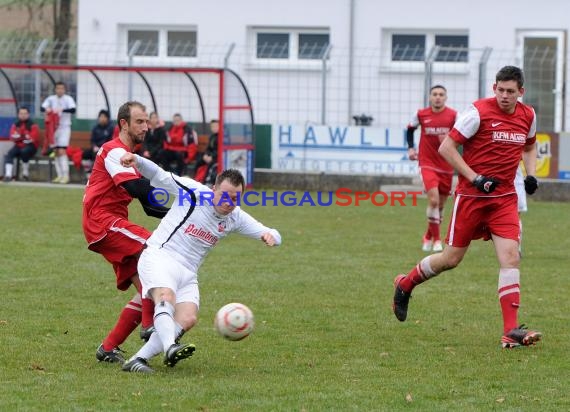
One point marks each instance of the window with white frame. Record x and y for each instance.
(164, 42)
(414, 46)
(290, 44)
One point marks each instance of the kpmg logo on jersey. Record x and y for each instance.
(509, 137)
(436, 130)
(201, 234)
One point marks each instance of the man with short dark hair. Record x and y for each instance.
(168, 267)
(26, 137)
(58, 108)
(495, 133)
(436, 121)
(106, 225)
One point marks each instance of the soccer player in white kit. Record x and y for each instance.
(168, 267)
(63, 105)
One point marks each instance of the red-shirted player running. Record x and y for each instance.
(436, 122)
(494, 133)
(108, 231)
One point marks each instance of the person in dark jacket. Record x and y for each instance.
(154, 139)
(101, 133)
(207, 163)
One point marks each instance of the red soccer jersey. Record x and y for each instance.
(434, 125)
(105, 200)
(493, 142)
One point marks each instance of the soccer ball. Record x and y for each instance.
(234, 321)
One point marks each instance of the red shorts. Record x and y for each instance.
(432, 178)
(122, 246)
(479, 217)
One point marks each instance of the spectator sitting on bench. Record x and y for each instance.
(180, 146)
(102, 132)
(26, 137)
(207, 162)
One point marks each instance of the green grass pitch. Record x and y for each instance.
(325, 337)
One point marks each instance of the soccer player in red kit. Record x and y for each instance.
(494, 132)
(436, 122)
(110, 189)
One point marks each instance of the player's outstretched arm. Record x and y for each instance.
(158, 177)
(268, 239)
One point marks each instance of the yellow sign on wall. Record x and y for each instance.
(544, 153)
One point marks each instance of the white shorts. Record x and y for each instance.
(157, 269)
(62, 136)
(521, 193)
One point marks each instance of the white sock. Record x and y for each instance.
(26, 168)
(164, 324)
(432, 214)
(150, 349)
(57, 166)
(154, 345)
(9, 169)
(64, 165)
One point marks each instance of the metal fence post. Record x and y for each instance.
(37, 76)
(132, 51)
(428, 77)
(483, 71)
(228, 55)
(324, 84)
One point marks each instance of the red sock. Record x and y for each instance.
(428, 233)
(129, 319)
(434, 229)
(414, 278)
(509, 297)
(419, 274)
(147, 312)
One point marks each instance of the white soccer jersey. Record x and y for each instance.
(64, 102)
(188, 233)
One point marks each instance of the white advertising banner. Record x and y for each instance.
(341, 149)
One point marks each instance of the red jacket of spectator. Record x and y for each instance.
(23, 133)
(180, 138)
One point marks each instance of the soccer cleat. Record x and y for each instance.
(177, 352)
(139, 365)
(56, 179)
(520, 336)
(437, 246)
(26, 178)
(401, 300)
(427, 244)
(64, 180)
(146, 332)
(112, 356)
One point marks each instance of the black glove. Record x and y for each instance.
(485, 184)
(530, 184)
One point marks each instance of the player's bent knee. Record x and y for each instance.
(187, 320)
(163, 294)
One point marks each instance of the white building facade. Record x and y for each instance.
(320, 63)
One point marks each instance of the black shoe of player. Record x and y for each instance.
(146, 332)
(112, 356)
(177, 352)
(138, 365)
(520, 336)
(401, 300)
